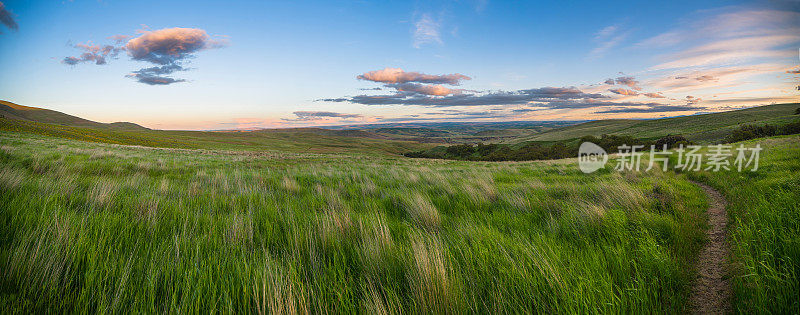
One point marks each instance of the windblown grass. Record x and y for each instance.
(764, 213)
(88, 227)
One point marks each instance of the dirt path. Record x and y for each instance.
(711, 291)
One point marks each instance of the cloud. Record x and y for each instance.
(704, 78)
(156, 75)
(93, 53)
(547, 96)
(652, 109)
(691, 100)
(311, 115)
(150, 79)
(753, 101)
(426, 31)
(526, 110)
(120, 39)
(720, 38)
(437, 90)
(653, 95)
(607, 38)
(625, 92)
(166, 48)
(797, 71)
(7, 18)
(628, 81)
(692, 80)
(727, 23)
(397, 75)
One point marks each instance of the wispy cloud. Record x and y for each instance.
(7, 18)
(426, 31)
(704, 79)
(93, 53)
(607, 38)
(728, 37)
(652, 109)
(320, 115)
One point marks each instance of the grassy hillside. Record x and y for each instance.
(297, 140)
(764, 211)
(90, 227)
(701, 128)
(10, 110)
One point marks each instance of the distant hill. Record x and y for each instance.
(702, 128)
(10, 110)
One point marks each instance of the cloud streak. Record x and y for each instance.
(607, 38)
(426, 31)
(729, 37)
(651, 109)
(319, 115)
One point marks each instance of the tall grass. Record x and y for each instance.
(88, 227)
(764, 212)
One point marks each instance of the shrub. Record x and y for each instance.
(747, 132)
(672, 141)
(790, 129)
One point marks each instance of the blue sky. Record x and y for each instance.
(282, 64)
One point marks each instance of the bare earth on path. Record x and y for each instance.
(711, 291)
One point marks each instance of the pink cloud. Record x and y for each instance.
(624, 92)
(397, 75)
(436, 90)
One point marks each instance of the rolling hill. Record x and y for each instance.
(19, 118)
(700, 128)
(15, 111)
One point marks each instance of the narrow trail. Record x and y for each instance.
(711, 292)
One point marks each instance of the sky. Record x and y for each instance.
(202, 65)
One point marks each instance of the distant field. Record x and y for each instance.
(701, 128)
(278, 141)
(97, 227)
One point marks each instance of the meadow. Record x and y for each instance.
(100, 227)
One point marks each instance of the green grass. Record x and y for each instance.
(90, 227)
(700, 128)
(764, 212)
